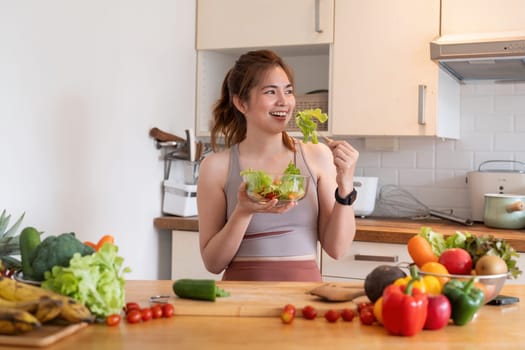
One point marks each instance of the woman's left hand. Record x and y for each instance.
(345, 160)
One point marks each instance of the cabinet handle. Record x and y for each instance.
(422, 91)
(317, 15)
(383, 258)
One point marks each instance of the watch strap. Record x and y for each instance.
(348, 200)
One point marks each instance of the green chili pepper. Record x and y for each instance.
(203, 289)
(465, 299)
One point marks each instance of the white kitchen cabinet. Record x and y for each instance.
(186, 261)
(362, 258)
(383, 80)
(227, 24)
(482, 16)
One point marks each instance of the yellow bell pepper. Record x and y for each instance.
(427, 284)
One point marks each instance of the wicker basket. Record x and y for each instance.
(310, 101)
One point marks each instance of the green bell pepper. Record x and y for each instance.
(465, 299)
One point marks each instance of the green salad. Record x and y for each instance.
(263, 186)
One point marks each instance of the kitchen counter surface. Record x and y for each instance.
(494, 327)
(379, 230)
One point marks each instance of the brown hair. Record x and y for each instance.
(228, 121)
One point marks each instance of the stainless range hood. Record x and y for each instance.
(488, 56)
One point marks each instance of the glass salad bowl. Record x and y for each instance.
(263, 187)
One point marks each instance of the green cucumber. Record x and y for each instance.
(29, 239)
(202, 289)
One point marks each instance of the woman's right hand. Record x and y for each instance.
(245, 204)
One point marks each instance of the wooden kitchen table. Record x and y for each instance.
(494, 327)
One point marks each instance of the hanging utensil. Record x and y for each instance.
(163, 136)
(190, 140)
(402, 203)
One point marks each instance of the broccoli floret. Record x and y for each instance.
(57, 251)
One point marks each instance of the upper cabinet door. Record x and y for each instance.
(223, 24)
(383, 80)
(482, 16)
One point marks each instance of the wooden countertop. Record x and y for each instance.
(494, 327)
(379, 230)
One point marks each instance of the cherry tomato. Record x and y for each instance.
(270, 196)
(332, 315)
(348, 315)
(363, 305)
(113, 320)
(309, 312)
(287, 317)
(366, 316)
(157, 311)
(134, 316)
(146, 314)
(168, 310)
(290, 308)
(131, 306)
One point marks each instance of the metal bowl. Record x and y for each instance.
(490, 284)
(285, 187)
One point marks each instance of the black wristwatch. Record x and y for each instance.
(348, 200)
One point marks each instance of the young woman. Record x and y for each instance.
(252, 241)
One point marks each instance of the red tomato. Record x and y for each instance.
(168, 310)
(134, 316)
(146, 314)
(364, 305)
(113, 320)
(438, 312)
(366, 316)
(131, 306)
(332, 315)
(457, 261)
(348, 315)
(290, 308)
(270, 196)
(157, 311)
(309, 312)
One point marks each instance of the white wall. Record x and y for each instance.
(81, 84)
(434, 170)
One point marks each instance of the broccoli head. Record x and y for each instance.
(57, 251)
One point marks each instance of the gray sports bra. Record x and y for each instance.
(294, 233)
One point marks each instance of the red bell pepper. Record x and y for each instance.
(404, 309)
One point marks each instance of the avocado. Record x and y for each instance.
(379, 278)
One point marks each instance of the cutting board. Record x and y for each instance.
(259, 299)
(43, 336)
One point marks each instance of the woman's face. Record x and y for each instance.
(271, 102)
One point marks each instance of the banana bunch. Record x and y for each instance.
(24, 307)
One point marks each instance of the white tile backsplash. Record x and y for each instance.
(434, 170)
